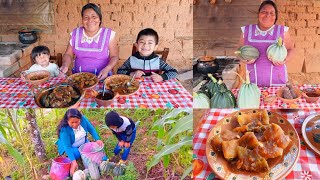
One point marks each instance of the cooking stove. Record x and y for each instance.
(222, 61)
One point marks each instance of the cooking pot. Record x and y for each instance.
(207, 64)
(28, 36)
(41, 93)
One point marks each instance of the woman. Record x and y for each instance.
(72, 133)
(264, 71)
(95, 47)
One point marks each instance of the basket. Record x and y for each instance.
(91, 152)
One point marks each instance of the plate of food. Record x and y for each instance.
(37, 77)
(117, 83)
(84, 80)
(63, 95)
(252, 144)
(311, 132)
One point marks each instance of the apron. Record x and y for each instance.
(91, 57)
(263, 72)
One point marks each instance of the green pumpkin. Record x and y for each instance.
(119, 170)
(94, 171)
(106, 166)
(247, 52)
(249, 94)
(200, 100)
(214, 85)
(277, 52)
(224, 98)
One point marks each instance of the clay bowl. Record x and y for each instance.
(37, 77)
(280, 96)
(280, 167)
(72, 79)
(121, 79)
(41, 93)
(107, 99)
(311, 132)
(311, 95)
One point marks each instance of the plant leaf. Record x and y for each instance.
(3, 140)
(171, 114)
(170, 122)
(2, 133)
(182, 125)
(160, 136)
(186, 172)
(15, 154)
(166, 160)
(168, 150)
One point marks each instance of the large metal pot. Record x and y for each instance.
(28, 36)
(41, 93)
(207, 64)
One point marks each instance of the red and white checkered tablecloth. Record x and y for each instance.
(307, 167)
(15, 93)
(301, 103)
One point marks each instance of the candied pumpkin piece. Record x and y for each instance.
(246, 118)
(272, 132)
(269, 150)
(229, 148)
(275, 134)
(228, 135)
(283, 141)
(216, 143)
(250, 160)
(249, 140)
(264, 117)
(243, 119)
(241, 129)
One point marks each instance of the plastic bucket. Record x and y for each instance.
(60, 168)
(91, 152)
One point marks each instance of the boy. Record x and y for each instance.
(145, 61)
(125, 131)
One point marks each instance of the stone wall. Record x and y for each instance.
(217, 28)
(171, 19)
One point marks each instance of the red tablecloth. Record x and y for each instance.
(15, 93)
(307, 167)
(278, 104)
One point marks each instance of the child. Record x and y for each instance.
(146, 61)
(72, 133)
(125, 131)
(40, 55)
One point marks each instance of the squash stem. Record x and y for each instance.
(237, 52)
(214, 80)
(243, 81)
(247, 77)
(280, 42)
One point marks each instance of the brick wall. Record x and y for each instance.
(171, 19)
(217, 28)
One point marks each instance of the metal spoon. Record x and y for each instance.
(104, 89)
(129, 83)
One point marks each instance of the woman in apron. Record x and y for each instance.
(263, 71)
(94, 47)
